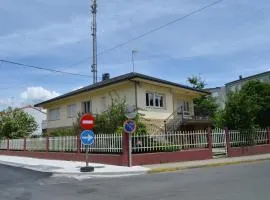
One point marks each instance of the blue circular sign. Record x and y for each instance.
(130, 126)
(87, 137)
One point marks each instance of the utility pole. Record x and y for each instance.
(94, 36)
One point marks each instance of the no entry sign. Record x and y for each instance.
(87, 122)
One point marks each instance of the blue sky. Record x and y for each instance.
(219, 44)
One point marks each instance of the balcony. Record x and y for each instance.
(180, 119)
(196, 120)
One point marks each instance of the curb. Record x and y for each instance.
(180, 168)
(77, 174)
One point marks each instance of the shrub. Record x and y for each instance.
(62, 132)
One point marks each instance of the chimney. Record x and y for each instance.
(240, 77)
(105, 76)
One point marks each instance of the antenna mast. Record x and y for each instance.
(94, 36)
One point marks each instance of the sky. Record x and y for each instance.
(229, 39)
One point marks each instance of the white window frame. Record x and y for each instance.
(186, 107)
(71, 110)
(83, 107)
(155, 95)
(57, 115)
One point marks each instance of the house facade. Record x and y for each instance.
(38, 114)
(156, 99)
(237, 84)
(220, 93)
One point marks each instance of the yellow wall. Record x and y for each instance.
(122, 90)
(125, 89)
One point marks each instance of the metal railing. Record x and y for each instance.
(218, 138)
(16, 144)
(173, 122)
(248, 137)
(36, 144)
(109, 143)
(64, 143)
(104, 143)
(172, 141)
(3, 144)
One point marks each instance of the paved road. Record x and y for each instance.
(237, 182)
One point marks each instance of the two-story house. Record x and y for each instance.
(220, 93)
(158, 100)
(237, 84)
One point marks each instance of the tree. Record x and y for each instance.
(196, 82)
(204, 105)
(248, 108)
(15, 123)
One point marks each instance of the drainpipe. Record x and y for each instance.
(136, 94)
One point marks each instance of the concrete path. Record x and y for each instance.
(205, 163)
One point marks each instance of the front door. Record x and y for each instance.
(185, 106)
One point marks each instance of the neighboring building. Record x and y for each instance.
(219, 94)
(237, 84)
(157, 99)
(39, 115)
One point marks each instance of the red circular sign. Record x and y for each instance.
(87, 122)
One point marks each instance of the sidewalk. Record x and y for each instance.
(71, 168)
(166, 167)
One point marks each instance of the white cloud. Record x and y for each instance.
(76, 88)
(38, 93)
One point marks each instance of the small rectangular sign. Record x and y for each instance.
(87, 121)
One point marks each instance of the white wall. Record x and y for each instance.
(38, 116)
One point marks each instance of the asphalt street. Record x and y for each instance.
(235, 182)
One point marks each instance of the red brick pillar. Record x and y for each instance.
(209, 138)
(7, 144)
(47, 143)
(228, 144)
(24, 144)
(78, 143)
(268, 135)
(125, 149)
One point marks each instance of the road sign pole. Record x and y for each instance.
(87, 138)
(86, 155)
(129, 128)
(129, 151)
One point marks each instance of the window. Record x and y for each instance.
(104, 103)
(54, 114)
(186, 108)
(154, 100)
(86, 107)
(71, 110)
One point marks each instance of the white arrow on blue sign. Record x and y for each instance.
(87, 137)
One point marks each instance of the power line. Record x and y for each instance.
(44, 68)
(151, 31)
(116, 46)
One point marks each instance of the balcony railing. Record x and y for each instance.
(180, 117)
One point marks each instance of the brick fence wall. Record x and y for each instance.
(123, 157)
(247, 150)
